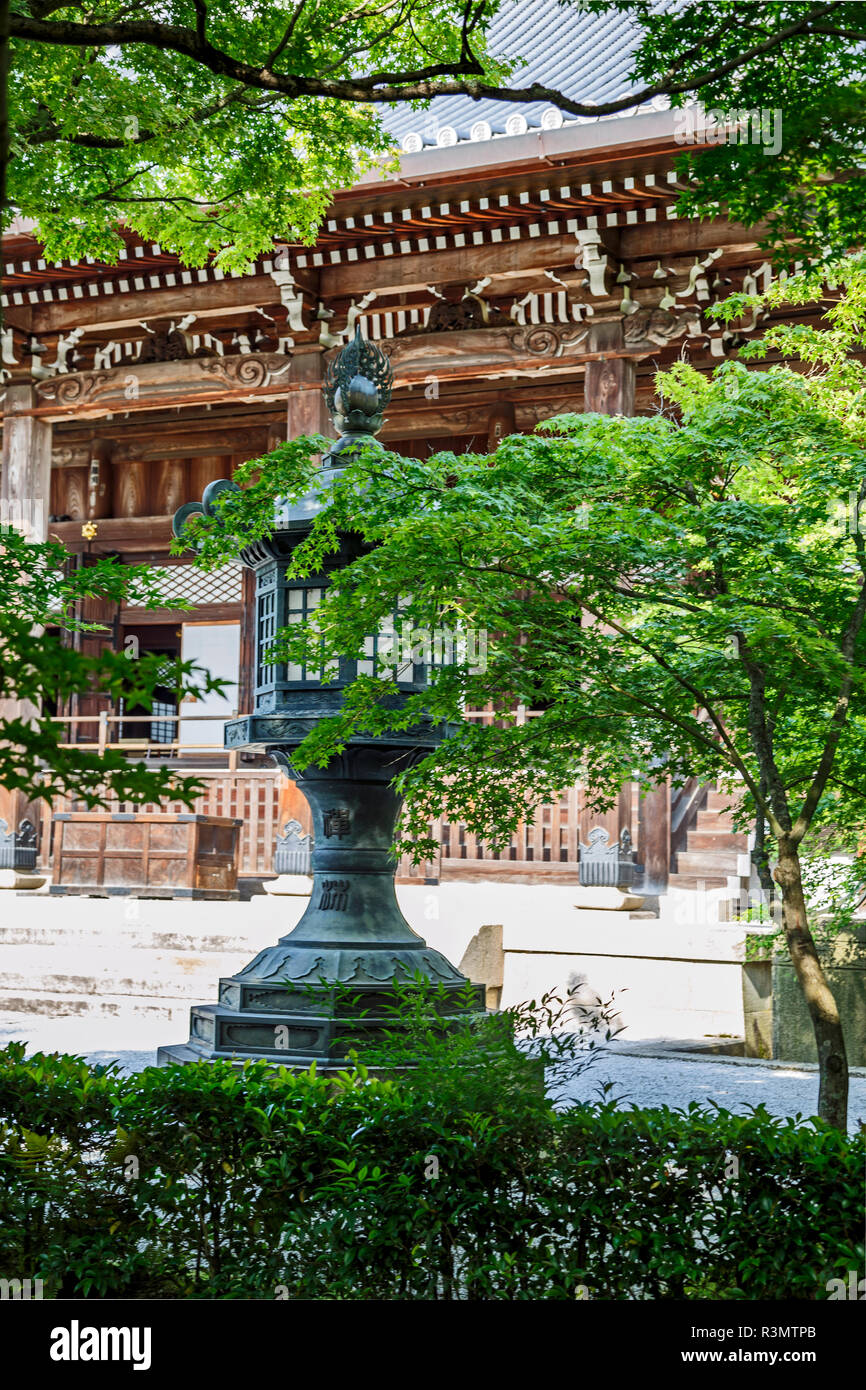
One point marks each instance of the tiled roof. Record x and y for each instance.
(585, 56)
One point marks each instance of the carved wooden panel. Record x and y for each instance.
(170, 484)
(130, 489)
(72, 493)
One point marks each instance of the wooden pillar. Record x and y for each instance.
(500, 424)
(655, 837)
(25, 490)
(305, 409)
(609, 385)
(609, 389)
(247, 661)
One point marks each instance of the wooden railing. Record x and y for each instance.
(545, 845)
(104, 723)
(686, 801)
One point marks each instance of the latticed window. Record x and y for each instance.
(407, 655)
(283, 604)
(396, 652)
(162, 730)
(267, 624)
(201, 587)
(302, 604)
(386, 656)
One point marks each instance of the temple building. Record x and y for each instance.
(520, 264)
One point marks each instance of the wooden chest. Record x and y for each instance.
(153, 856)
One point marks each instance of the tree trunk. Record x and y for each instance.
(823, 1010)
(761, 856)
(4, 103)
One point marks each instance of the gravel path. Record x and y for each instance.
(734, 1084)
(637, 1080)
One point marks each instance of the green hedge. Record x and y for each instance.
(205, 1181)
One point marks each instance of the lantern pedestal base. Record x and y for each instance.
(338, 1003)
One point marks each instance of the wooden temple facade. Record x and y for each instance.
(509, 278)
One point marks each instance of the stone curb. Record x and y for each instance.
(670, 1054)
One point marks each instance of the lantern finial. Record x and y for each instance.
(358, 387)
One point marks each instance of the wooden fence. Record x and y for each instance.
(545, 846)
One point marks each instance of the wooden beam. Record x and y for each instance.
(681, 238)
(221, 440)
(131, 534)
(523, 257)
(155, 385)
(203, 298)
(202, 613)
(417, 270)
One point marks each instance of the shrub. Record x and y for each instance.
(211, 1181)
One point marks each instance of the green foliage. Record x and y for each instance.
(440, 1043)
(219, 128)
(41, 666)
(209, 1181)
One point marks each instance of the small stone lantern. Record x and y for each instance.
(326, 985)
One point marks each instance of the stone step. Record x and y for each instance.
(695, 883)
(55, 1005)
(713, 820)
(107, 974)
(722, 801)
(100, 938)
(717, 840)
(705, 862)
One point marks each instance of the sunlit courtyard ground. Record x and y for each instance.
(640, 1080)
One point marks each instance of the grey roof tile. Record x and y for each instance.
(586, 56)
